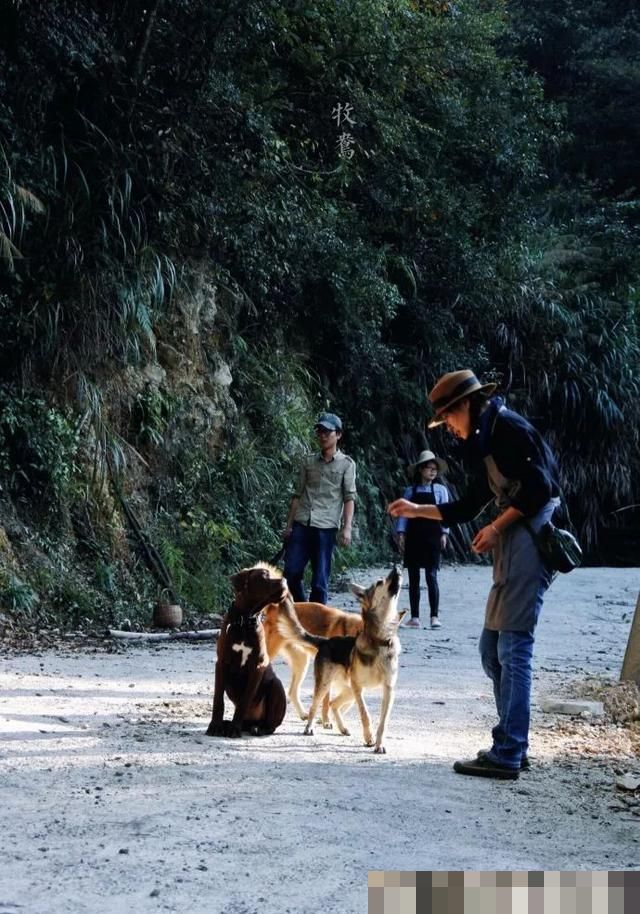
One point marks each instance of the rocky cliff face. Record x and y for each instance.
(74, 558)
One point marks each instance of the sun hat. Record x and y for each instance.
(428, 457)
(452, 387)
(330, 421)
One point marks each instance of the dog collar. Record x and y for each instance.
(241, 621)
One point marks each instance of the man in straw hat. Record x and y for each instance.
(520, 474)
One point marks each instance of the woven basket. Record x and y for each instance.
(167, 615)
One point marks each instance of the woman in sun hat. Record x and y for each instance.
(421, 541)
(514, 466)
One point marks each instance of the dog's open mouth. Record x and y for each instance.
(394, 579)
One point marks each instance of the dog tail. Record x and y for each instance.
(290, 628)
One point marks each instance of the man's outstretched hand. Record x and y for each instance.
(402, 508)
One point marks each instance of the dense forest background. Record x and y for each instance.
(218, 218)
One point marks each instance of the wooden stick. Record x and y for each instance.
(206, 634)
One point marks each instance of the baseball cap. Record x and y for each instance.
(330, 421)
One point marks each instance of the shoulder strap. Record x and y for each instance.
(563, 500)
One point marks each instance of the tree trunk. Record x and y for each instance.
(142, 43)
(631, 662)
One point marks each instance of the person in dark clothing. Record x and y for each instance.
(514, 466)
(421, 541)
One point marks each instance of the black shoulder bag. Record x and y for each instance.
(560, 550)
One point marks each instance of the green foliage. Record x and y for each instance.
(151, 413)
(220, 515)
(71, 603)
(587, 52)
(582, 390)
(488, 217)
(106, 577)
(38, 445)
(17, 596)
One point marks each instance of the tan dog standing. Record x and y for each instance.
(350, 664)
(325, 621)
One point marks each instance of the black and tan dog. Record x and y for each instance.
(315, 618)
(348, 665)
(243, 670)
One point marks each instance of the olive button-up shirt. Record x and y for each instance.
(323, 488)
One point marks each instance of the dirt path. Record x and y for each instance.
(112, 799)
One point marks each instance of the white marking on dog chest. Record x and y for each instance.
(244, 650)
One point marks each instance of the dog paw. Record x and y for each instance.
(217, 729)
(233, 731)
(304, 716)
(369, 742)
(380, 750)
(308, 731)
(327, 725)
(345, 732)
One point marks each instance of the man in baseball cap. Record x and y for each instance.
(324, 498)
(329, 421)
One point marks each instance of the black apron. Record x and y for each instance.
(422, 542)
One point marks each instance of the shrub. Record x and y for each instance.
(38, 446)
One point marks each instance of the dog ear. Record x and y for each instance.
(358, 591)
(238, 581)
(401, 616)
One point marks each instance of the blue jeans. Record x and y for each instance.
(507, 660)
(506, 648)
(309, 544)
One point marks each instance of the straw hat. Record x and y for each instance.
(428, 457)
(452, 387)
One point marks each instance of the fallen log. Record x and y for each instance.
(207, 634)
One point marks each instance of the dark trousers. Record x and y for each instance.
(433, 590)
(309, 544)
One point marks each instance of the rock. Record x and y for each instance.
(571, 706)
(153, 374)
(222, 376)
(170, 358)
(628, 782)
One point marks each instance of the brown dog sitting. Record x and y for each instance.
(243, 669)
